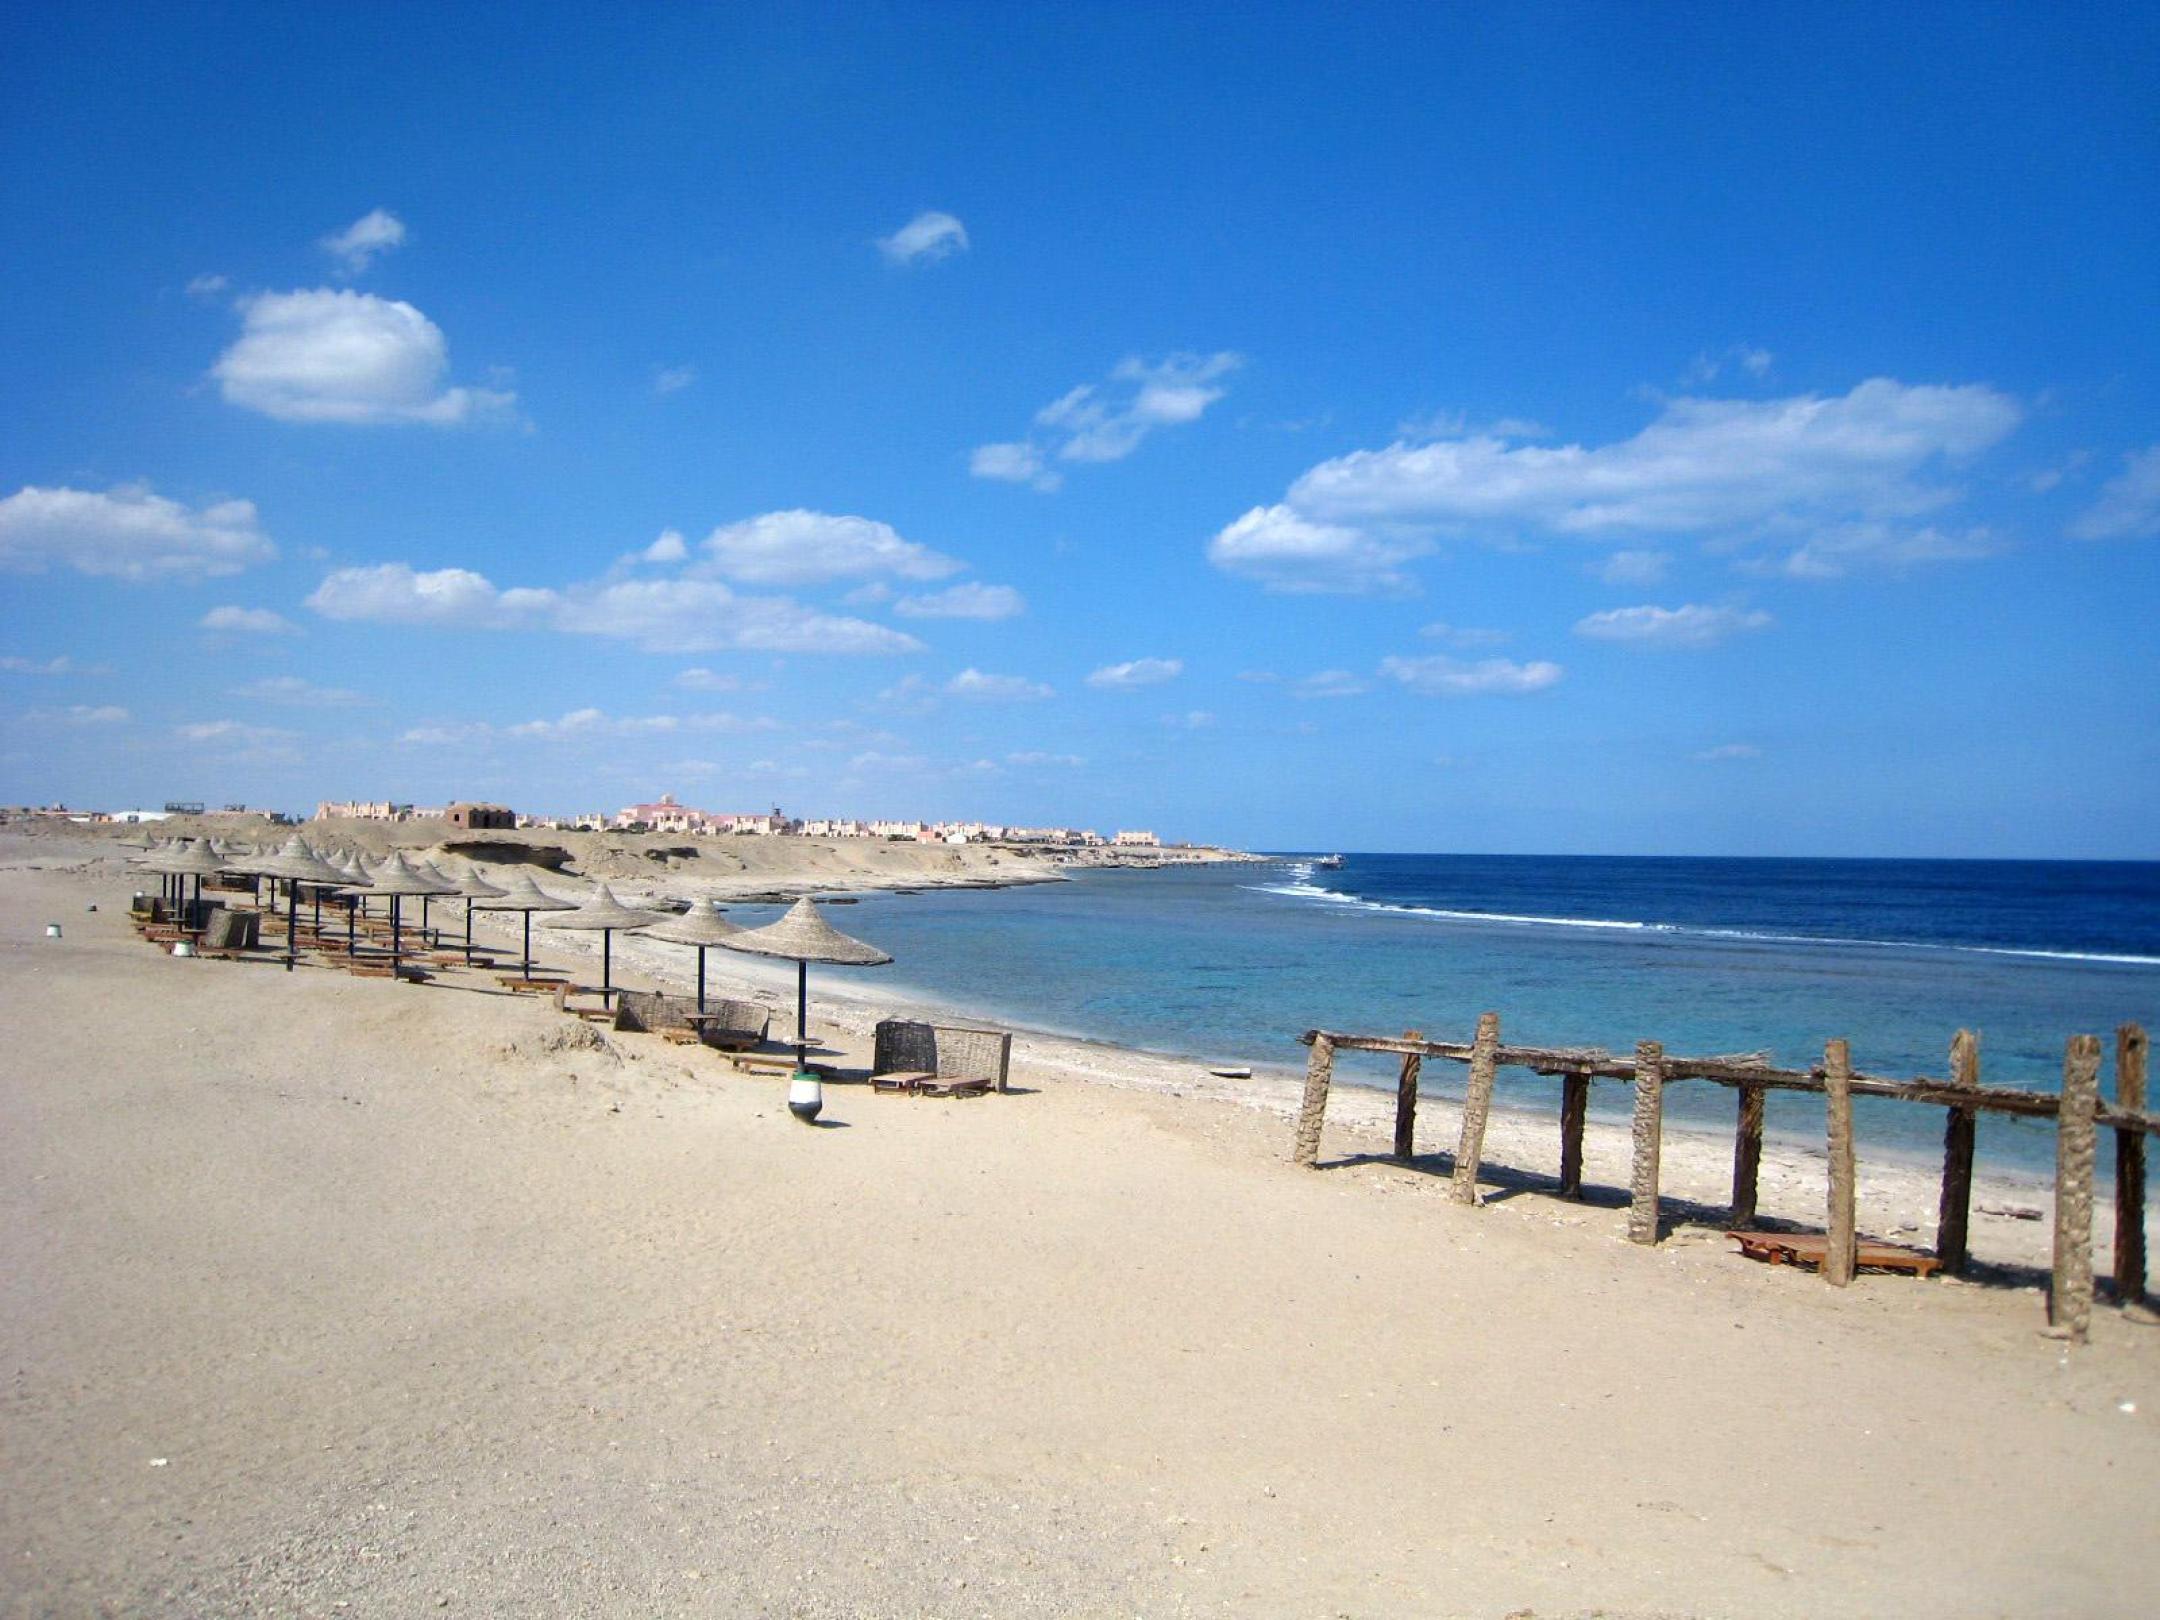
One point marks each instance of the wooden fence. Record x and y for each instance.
(2079, 1113)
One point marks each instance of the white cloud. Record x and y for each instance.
(1137, 672)
(80, 714)
(1190, 720)
(394, 593)
(248, 621)
(1720, 468)
(1441, 676)
(444, 736)
(970, 600)
(694, 615)
(365, 240)
(705, 680)
(294, 692)
(658, 615)
(669, 548)
(128, 533)
(1693, 624)
(208, 286)
(15, 664)
(877, 760)
(974, 683)
(925, 239)
(1034, 757)
(1633, 567)
(1725, 751)
(1284, 551)
(1462, 637)
(1017, 463)
(231, 731)
(1706, 367)
(673, 379)
(1329, 683)
(2129, 503)
(799, 548)
(1837, 550)
(593, 723)
(1109, 421)
(326, 355)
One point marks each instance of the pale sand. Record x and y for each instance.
(321, 1296)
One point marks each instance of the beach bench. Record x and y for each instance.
(939, 1060)
(1810, 1248)
(730, 1026)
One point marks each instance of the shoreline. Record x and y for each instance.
(318, 1293)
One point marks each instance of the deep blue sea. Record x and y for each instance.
(1229, 963)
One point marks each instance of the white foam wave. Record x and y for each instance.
(1313, 891)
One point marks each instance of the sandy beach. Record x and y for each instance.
(329, 1296)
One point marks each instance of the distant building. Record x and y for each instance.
(480, 817)
(1137, 840)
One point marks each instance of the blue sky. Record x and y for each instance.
(1668, 429)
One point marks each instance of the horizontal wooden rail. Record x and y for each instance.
(1729, 1071)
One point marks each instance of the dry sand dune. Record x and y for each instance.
(322, 1296)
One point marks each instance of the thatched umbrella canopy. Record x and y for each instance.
(297, 864)
(605, 913)
(193, 860)
(396, 878)
(522, 894)
(703, 925)
(805, 936)
(469, 886)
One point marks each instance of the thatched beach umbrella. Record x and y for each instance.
(607, 914)
(805, 936)
(522, 894)
(195, 861)
(397, 879)
(297, 864)
(704, 926)
(469, 886)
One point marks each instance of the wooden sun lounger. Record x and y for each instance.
(1809, 1248)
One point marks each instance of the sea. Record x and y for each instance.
(1227, 964)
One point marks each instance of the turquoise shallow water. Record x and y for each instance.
(1230, 963)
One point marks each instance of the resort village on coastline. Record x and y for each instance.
(663, 815)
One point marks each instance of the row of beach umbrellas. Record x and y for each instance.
(802, 936)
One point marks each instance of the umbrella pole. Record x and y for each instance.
(396, 947)
(292, 924)
(528, 944)
(607, 938)
(802, 1014)
(701, 978)
(318, 907)
(468, 930)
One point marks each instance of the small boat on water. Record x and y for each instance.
(1328, 863)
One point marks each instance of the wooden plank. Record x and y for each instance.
(2070, 1293)
(1649, 1130)
(1841, 1257)
(1725, 1071)
(1960, 1130)
(1319, 1071)
(1574, 1113)
(1476, 1110)
(1747, 1155)
(1406, 1083)
(2130, 1058)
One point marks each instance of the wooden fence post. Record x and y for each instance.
(1642, 1225)
(1406, 1099)
(2070, 1295)
(1842, 1250)
(1953, 1216)
(1574, 1111)
(1747, 1155)
(1319, 1071)
(2130, 1053)
(1477, 1105)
